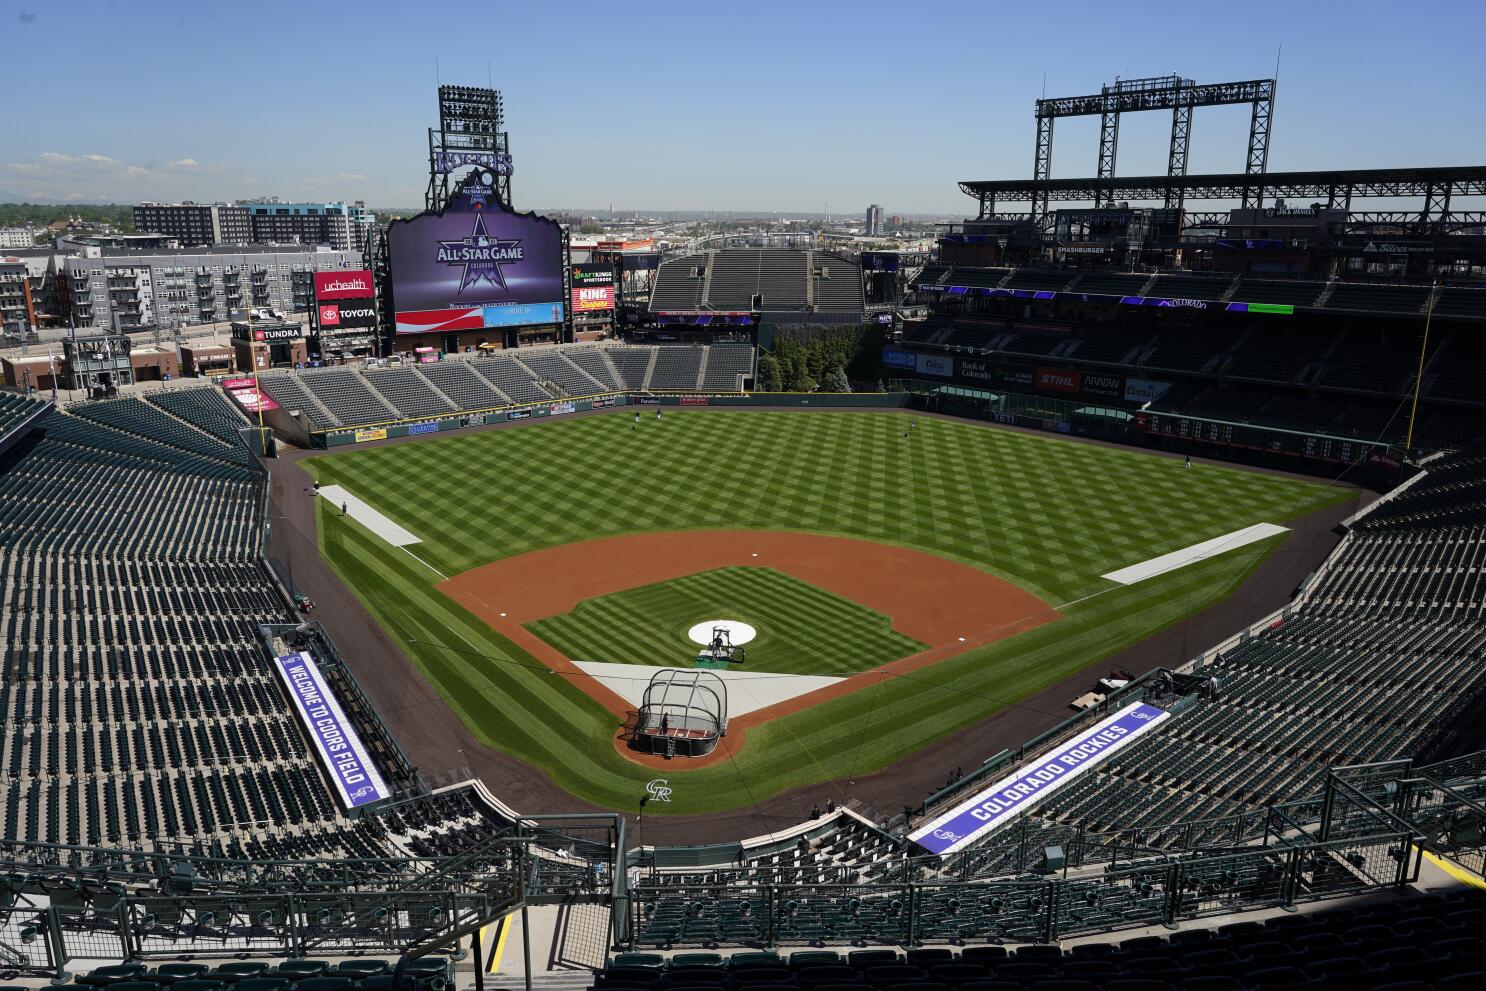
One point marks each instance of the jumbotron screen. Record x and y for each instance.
(475, 265)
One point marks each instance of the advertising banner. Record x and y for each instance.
(366, 435)
(1021, 376)
(1104, 386)
(630, 261)
(647, 400)
(354, 283)
(1035, 780)
(477, 259)
(336, 315)
(593, 288)
(601, 403)
(423, 428)
(286, 332)
(1057, 380)
(238, 383)
(439, 321)
(335, 740)
(893, 358)
(977, 370)
(934, 364)
(518, 414)
(558, 409)
(1144, 390)
(252, 400)
(693, 400)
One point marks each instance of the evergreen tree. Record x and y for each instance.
(769, 379)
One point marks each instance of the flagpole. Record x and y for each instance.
(257, 389)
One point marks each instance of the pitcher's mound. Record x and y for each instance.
(739, 632)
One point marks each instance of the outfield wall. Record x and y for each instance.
(562, 407)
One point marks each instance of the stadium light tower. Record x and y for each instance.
(470, 133)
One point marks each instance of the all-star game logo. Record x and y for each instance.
(479, 253)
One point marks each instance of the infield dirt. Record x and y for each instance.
(952, 607)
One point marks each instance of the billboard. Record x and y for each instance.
(630, 261)
(475, 264)
(1057, 380)
(934, 364)
(894, 358)
(1035, 779)
(352, 284)
(349, 314)
(339, 748)
(593, 288)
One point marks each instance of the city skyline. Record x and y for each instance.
(641, 113)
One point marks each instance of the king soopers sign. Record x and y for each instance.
(1035, 780)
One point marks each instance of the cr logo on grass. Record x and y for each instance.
(658, 791)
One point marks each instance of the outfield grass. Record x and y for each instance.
(1049, 514)
(802, 629)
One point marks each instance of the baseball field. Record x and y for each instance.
(935, 570)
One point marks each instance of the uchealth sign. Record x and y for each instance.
(1058, 380)
(1036, 779)
(349, 284)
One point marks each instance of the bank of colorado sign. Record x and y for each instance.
(1036, 779)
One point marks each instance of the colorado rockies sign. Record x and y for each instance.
(1035, 780)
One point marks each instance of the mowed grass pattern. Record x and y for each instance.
(1049, 514)
(802, 629)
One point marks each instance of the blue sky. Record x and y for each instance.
(700, 105)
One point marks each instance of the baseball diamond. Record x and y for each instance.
(1043, 517)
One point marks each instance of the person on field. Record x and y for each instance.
(344, 508)
(1189, 461)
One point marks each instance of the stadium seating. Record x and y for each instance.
(676, 369)
(725, 365)
(511, 377)
(1459, 302)
(410, 394)
(345, 394)
(1415, 942)
(633, 365)
(1274, 354)
(1369, 298)
(458, 380)
(1203, 287)
(1113, 283)
(1281, 291)
(836, 284)
(679, 283)
(206, 409)
(987, 278)
(289, 391)
(551, 366)
(1046, 281)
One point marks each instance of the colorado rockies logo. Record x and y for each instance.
(658, 790)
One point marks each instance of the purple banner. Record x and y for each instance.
(965, 823)
(351, 770)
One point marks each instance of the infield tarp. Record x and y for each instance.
(351, 770)
(1035, 780)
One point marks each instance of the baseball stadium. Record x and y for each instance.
(1094, 601)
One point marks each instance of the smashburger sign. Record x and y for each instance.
(349, 284)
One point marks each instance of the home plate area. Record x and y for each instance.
(748, 691)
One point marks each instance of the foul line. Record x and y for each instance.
(1191, 555)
